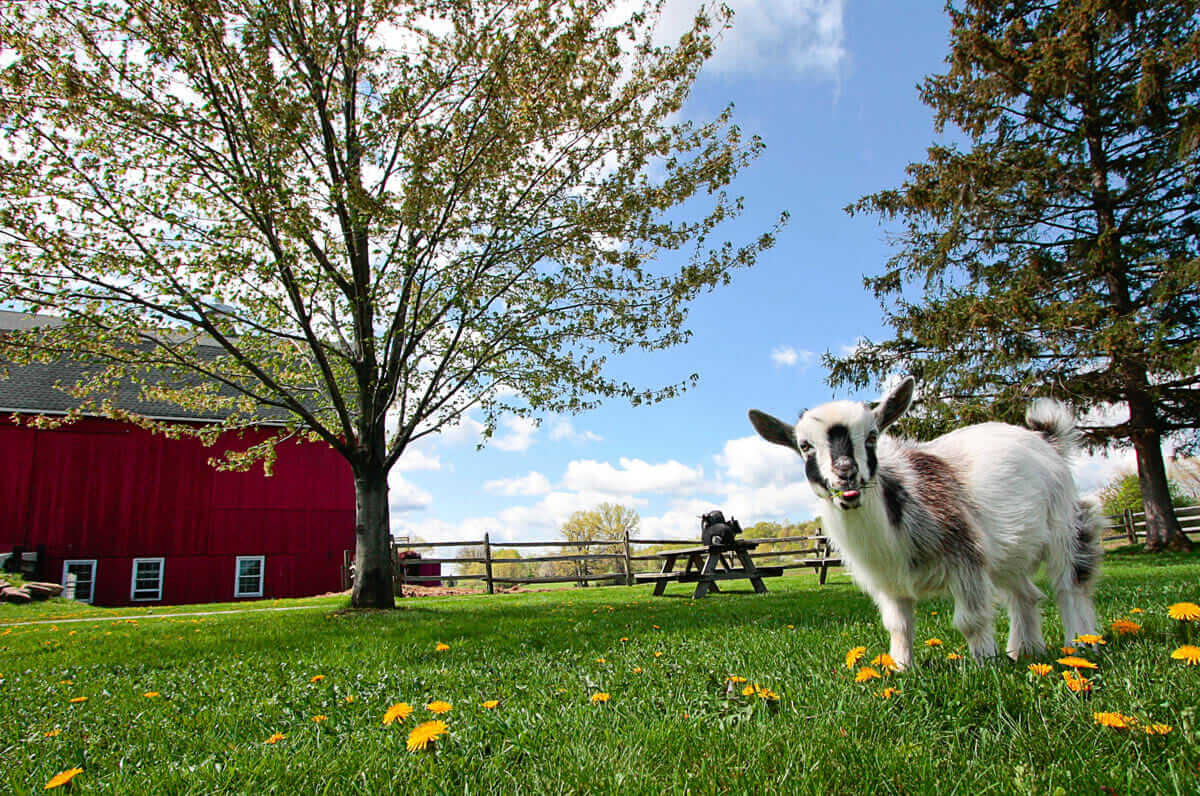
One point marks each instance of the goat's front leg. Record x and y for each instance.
(899, 618)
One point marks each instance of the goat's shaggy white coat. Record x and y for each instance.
(971, 512)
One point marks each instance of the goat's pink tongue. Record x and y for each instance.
(850, 493)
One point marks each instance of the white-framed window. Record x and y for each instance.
(84, 571)
(146, 582)
(248, 576)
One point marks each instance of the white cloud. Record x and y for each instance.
(519, 436)
(405, 496)
(564, 429)
(786, 356)
(754, 462)
(532, 484)
(797, 36)
(467, 429)
(633, 477)
(416, 459)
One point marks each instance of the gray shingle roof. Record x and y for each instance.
(40, 388)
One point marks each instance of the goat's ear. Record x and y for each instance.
(773, 430)
(895, 403)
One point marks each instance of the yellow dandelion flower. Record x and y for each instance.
(1125, 627)
(439, 707)
(62, 778)
(601, 660)
(1067, 650)
(765, 694)
(350, 697)
(1090, 638)
(1184, 612)
(276, 738)
(884, 661)
(866, 673)
(1136, 611)
(52, 734)
(1076, 682)
(735, 679)
(854, 656)
(77, 700)
(888, 693)
(624, 639)
(1117, 721)
(954, 656)
(1077, 663)
(151, 694)
(441, 647)
(748, 690)
(397, 712)
(490, 704)
(316, 678)
(658, 654)
(66, 682)
(637, 669)
(425, 734)
(933, 642)
(1188, 653)
(1041, 669)
(1157, 729)
(791, 627)
(320, 718)
(601, 696)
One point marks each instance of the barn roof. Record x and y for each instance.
(41, 387)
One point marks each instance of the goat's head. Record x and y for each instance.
(837, 441)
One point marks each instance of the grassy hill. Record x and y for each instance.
(187, 704)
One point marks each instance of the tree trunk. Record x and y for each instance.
(1162, 526)
(373, 542)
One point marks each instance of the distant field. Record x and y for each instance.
(673, 722)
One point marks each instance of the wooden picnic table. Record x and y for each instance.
(708, 564)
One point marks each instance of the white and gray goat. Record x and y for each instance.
(973, 511)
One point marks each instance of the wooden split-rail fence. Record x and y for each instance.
(1130, 526)
(622, 560)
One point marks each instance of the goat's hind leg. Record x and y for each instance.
(1025, 619)
(974, 613)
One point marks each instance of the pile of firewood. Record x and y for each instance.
(28, 591)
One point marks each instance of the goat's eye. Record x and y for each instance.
(805, 446)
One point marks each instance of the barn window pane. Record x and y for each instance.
(249, 581)
(85, 578)
(147, 579)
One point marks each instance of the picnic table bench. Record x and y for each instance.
(708, 564)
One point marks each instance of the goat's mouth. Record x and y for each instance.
(846, 499)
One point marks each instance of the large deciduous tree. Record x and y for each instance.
(606, 521)
(382, 213)
(1057, 251)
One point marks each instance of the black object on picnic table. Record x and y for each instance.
(713, 562)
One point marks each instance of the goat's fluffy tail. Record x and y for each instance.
(1055, 421)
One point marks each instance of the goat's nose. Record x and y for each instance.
(845, 468)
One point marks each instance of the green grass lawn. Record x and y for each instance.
(228, 683)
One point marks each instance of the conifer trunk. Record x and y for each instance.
(1162, 526)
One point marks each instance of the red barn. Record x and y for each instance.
(141, 518)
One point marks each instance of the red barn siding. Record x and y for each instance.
(110, 491)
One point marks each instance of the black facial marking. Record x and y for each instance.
(872, 462)
(813, 471)
(839, 443)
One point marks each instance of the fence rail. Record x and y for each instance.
(810, 551)
(798, 554)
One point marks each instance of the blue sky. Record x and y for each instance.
(830, 85)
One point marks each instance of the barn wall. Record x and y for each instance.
(110, 491)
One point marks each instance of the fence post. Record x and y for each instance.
(1127, 518)
(628, 562)
(487, 562)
